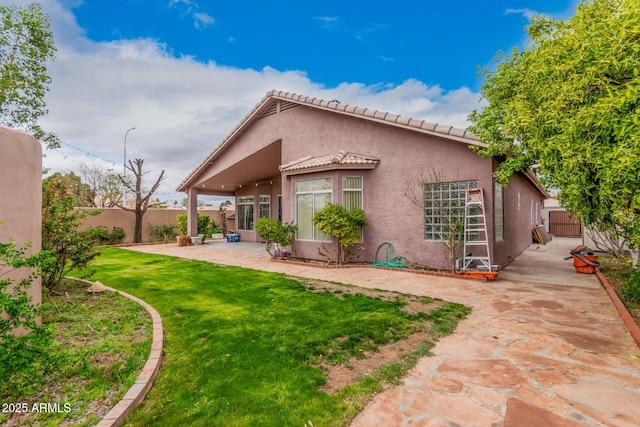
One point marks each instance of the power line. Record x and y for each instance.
(113, 163)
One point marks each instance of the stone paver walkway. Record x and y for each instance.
(543, 345)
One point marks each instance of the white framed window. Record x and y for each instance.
(245, 213)
(352, 194)
(264, 207)
(311, 196)
(498, 211)
(444, 208)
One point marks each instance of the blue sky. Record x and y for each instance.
(370, 42)
(185, 72)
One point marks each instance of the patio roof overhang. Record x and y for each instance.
(258, 168)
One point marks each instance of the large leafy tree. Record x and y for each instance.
(26, 46)
(569, 105)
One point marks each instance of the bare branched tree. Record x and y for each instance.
(104, 184)
(143, 201)
(452, 227)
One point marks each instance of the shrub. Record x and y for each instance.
(101, 235)
(163, 233)
(274, 231)
(343, 225)
(206, 225)
(630, 289)
(22, 357)
(60, 236)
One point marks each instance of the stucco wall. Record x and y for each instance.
(404, 155)
(116, 217)
(21, 196)
(523, 211)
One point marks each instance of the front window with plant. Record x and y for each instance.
(344, 226)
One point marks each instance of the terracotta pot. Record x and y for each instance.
(184, 240)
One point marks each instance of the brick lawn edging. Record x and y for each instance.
(631, 325)
(150, 370)
(404, 270)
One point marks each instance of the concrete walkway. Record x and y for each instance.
(543, 345)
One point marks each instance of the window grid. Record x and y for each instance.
(264, 207)
(444, 206)
(498, 211)
(311, 196)
(245, 213)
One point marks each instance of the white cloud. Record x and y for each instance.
(202, 20)
(182, 108)
(527, 13)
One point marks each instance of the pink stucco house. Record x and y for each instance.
(292, 154)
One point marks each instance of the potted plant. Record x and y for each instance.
(216, 231)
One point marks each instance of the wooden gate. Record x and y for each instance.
(563, 224)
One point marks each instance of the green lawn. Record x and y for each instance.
(242, 347)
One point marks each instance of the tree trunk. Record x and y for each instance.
(635, 256)
(137, 233)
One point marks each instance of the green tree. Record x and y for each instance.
(342, 225)
(569, 106)
(26, 46)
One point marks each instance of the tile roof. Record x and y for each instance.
(381, 116)
(422, 126)
(334, 161)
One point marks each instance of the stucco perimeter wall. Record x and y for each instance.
(116, 217)
(21, 196)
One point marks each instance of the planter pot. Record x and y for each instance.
(184, 240)
(217, 236)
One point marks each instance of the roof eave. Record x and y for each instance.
(328, 168)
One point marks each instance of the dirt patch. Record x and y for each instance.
(340, 376)
(369, 362)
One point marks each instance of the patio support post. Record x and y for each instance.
(192, 212)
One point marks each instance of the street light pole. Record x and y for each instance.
(124, 168)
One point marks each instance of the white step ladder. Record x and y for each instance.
(476, 240)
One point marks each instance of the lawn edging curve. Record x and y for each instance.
(150, 370)
(631, 325)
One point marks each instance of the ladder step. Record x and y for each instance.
(476, 243)
(476, 258)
